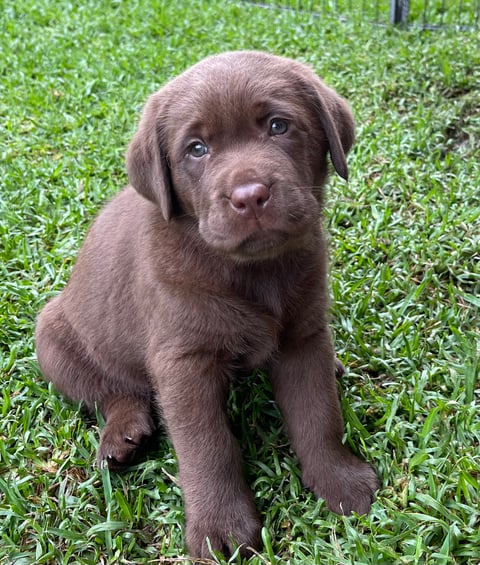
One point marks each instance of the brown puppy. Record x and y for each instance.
(213, 260)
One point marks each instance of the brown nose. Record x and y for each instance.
(250, 200)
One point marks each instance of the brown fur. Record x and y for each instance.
(208, 264)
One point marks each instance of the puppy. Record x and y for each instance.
(213, 261)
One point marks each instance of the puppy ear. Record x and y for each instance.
(147, 165)
(337, 121)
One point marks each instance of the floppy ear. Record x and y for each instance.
(337, 121)
(147, 165)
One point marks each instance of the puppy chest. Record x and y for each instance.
(247, 336)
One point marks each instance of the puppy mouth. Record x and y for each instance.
(258, 245)
(262, 245)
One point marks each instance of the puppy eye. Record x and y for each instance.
(278, 127)
(198, 149)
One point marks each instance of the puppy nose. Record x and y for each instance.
(250, 200)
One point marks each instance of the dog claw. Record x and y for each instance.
(339, 369)
(112, 463)
(130, 441)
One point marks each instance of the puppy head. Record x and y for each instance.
(239, 142)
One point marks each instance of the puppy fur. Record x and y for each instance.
(210, 262)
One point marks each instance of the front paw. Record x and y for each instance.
(226, 529)
(347, 484)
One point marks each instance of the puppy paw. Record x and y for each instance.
(347, 486)
(225, 532)
(339, 369)
(121, 440)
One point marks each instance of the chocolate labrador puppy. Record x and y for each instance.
(213, 261)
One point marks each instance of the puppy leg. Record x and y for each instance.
(192, 392)
(305, 388)
(125, 403)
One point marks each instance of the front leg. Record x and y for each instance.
(192, 391)
(305, 388)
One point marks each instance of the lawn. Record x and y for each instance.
(405, 282)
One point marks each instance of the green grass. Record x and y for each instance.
(423, 13)
(405, 279)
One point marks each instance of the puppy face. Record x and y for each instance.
(239, 142)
